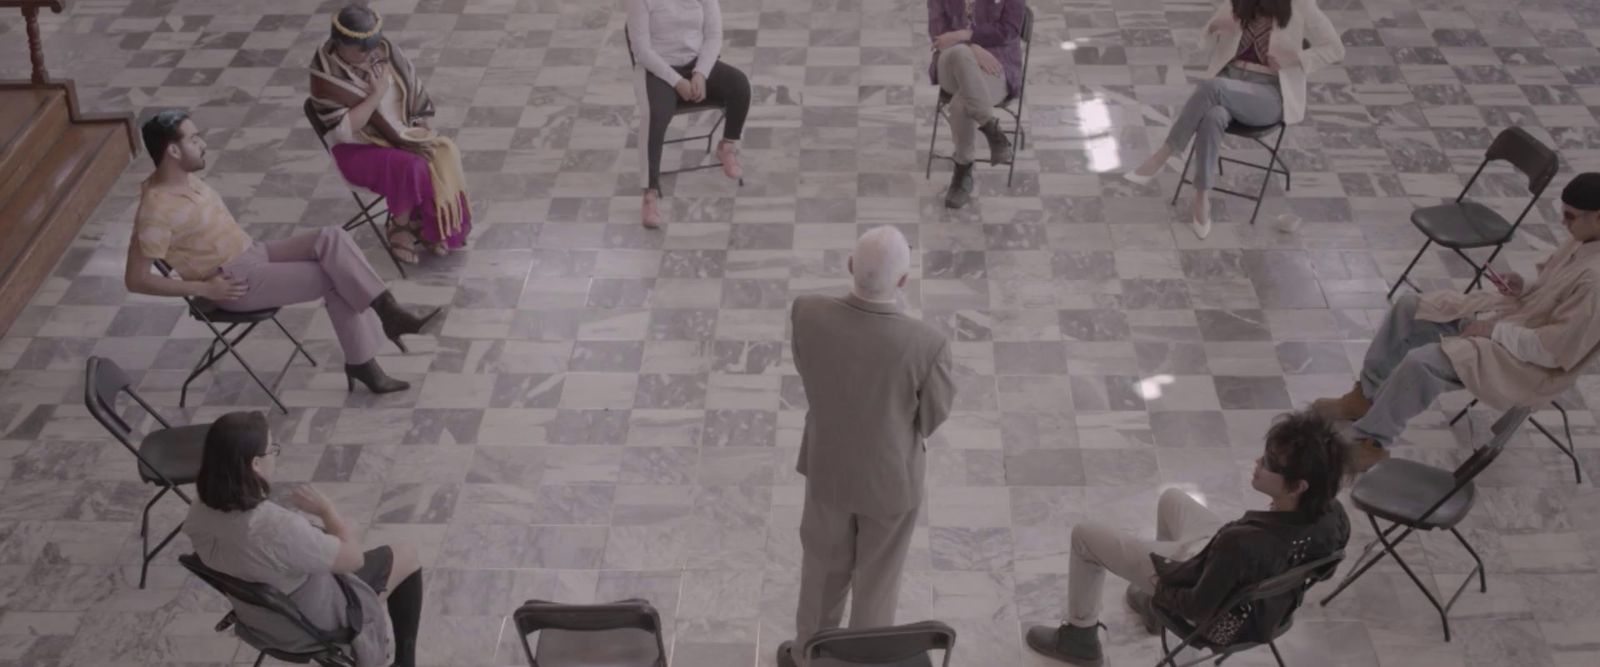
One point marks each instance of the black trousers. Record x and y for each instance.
(725, 85)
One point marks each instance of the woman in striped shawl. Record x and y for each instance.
(378, 114)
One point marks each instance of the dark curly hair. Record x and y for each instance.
(1247, 11)
(226, 481)
(1306, 447)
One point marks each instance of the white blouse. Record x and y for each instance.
(666, 34)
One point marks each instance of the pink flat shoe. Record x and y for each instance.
(728, 155)
(650, 211)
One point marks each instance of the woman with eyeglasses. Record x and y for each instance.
(238, 531)
(380, 116)
(1196, 561)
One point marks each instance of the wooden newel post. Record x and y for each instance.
(30, 15)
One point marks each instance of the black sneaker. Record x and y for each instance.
(1068, 643)
(960, 187)
(999, 143)
(1143, 606)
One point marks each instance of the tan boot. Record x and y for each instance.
(1349, 407)
(1364, 454)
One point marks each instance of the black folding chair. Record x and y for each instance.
(264, 604)
(1258, 134)
(1566, 425)
(1295, 582)
(898, 646)
(1416, 496)
(210, 315)
(368, 211)
(1464, 225)
(684, 108)
(1018, 135)
(168, 457)
(626, 633)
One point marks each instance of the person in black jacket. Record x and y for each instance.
(1196, 561)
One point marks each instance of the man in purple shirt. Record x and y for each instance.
(978, 61)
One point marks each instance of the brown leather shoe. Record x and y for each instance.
(1349, 407)
(1364, 454)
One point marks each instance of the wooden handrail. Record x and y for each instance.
(30, 17)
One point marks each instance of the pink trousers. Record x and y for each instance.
(324, 264)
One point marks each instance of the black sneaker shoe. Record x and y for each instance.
(999, 143)
(960, 191)
(1068, 643)
(1143, 606)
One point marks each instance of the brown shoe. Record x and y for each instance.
(1364, 454)
(1349, 407)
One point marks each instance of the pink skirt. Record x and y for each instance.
(403, 180)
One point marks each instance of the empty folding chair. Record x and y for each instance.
(626, 633)
(899, 646)
(168, 457)
(1463, 225)
(1295, 582)
(210, 315)
(368, 209)
(267, 620)
(1012, 106)
(1416, 496)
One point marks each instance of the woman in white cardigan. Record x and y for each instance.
(1258, 67)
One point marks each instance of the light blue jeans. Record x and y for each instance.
(1252, 98)
(1405, 370)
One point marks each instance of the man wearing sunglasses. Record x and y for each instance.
(1520, 344)
(1197, 561)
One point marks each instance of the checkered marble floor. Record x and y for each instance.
(611, 412)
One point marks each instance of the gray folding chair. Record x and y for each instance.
(685, 108)
(267, 620)
(1294, 582)
(1463, 225)
(210, 315)
(1566, 446)
(1012, 106)
(368, 211)
(168, 457)
(626, 633)
(898, 646)
(1416, 496)
(1258, 134)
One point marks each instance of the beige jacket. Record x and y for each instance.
(877, 384)
(1307, 23)
(1560, 306)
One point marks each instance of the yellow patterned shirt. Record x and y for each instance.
(190, 228)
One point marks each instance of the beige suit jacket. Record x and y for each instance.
(877, 384)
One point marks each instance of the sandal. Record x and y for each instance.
(402, 244)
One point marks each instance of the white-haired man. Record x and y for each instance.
(877, 384)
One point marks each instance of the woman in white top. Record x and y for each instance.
(1258, 64)
(675, 44)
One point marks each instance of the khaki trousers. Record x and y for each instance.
(1183, 527)
(974, 93)
(848, 553)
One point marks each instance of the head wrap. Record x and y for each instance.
(1583, 193)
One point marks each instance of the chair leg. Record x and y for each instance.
(208, 359)
(1183, 177)
(1266, 179)
(1275, 654)
(1483, 581)
(232, 350)
(367, 218)
(1463, 412)
(298, 348)
(1363, 563)
(144, 533)
(260, 657)
(938, 113)
(1477, 277)
(1404, 274)
(1443, 609)
(1565, 447)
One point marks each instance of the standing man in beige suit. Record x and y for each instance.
(877, 383)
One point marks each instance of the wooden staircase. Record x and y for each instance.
(56, 164)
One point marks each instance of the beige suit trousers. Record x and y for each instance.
(846, 553)
(1183, 527)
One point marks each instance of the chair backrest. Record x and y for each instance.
(256, 605)
(871, 647)
(1027, 24)
(316, 123)
(1530, 156)
(1500, 434)
(606, 620)
(628, 42)
(103, 381)
(1296, 580)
